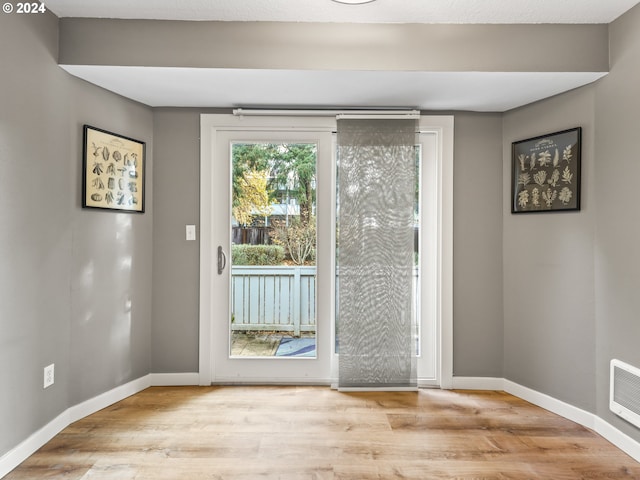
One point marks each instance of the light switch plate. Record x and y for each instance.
(191, 232)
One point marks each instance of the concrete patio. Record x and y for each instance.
(263, 344)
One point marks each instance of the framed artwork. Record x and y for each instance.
(545, 172)
(113, 170)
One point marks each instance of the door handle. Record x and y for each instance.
(222, 260)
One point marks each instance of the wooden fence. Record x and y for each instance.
(251, 235)
(281, 299)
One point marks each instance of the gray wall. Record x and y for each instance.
(335, 46)
(571, 280)
(176, 267)
(549, 290)
(477, 245)
(477, 242)
(65, 273)
(617, 258)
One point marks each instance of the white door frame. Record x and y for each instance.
(441, 126)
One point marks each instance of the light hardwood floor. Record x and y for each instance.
(300, 433)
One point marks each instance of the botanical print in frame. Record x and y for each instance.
(546, 172)
(113, 171)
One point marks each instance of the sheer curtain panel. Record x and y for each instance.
(375, 259)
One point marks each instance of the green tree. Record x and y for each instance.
(291, 167)
(295, 167)
(246, 158)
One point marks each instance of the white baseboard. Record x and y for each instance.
(477, 383)
(621, 440)
(618, 438)
(174, 379)
(19, 454)
(554, 405)
(24, 450)
(589, 420)
(103, 400)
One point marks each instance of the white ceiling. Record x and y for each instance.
(202, 87)
(475, 91)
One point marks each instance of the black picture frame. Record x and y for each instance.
(546, 171)
(113, 171)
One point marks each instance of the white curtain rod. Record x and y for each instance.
(330, 113)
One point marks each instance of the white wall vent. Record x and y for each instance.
(624, 398)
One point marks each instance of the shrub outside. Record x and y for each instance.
(257, 254)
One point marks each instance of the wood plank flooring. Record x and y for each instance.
(315, 433)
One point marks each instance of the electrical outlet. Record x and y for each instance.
(49, 375)
(191, 232)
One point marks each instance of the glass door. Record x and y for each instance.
(223, 302)
(272, 211)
